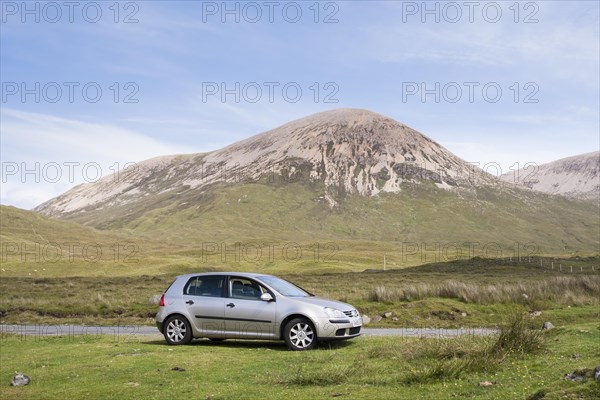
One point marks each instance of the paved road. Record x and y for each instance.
(135, 330)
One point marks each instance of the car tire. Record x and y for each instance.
(300, 334)
(177, 330)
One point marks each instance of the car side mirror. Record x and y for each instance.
(266, 297)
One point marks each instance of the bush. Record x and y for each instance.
(516, 336)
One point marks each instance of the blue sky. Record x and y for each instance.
(154, 74)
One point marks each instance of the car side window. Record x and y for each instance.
(211, 286)
(242, 288)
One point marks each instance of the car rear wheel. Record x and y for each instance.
(177, 330)
(300, 334)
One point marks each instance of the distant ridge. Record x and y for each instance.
(577, 176)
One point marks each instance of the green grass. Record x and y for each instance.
(418, 225)
(289, 230)
(431, 295)
(142, 367)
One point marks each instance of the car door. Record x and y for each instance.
(246, 315)
(204, 298)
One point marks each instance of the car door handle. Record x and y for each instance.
(190, 302)
(230, 305)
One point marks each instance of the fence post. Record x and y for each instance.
(571, 269)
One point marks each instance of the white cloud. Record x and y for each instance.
(43, 155)
(559, 46)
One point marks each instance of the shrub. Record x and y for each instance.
(517, 337)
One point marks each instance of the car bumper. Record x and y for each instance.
(339, 328)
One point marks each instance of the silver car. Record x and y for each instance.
(233, 305)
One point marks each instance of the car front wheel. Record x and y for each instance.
(177, 330)
(300, 334)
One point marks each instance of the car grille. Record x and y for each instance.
(351, 313)
(351, 331)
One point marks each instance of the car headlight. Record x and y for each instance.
(333, 312)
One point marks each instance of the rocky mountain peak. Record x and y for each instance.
(350, 151)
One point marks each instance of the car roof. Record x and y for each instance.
(240, 274)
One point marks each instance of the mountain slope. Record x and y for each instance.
(38, 245)
(352, 177)
(349, 151)
(577, 176)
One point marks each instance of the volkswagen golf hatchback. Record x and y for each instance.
(233, 305)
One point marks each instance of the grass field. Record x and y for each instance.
(133, 367)
(443, 295)
(463, 293)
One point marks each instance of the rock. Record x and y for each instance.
(540, 394)
(154, 299)
(575, 377)
(394, 318)
(377, 318)
(547, 326)
(387, 314)
(525, 296)
(20, 380)
(534, 314)
(597, 373)
(463, 314)
(366, 319)
(486, 383)
(444, 315)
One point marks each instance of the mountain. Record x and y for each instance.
(347, 150)
(577, 176)
(352, 179)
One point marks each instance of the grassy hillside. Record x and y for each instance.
(418, 214)
(34, 245)
(290, 228)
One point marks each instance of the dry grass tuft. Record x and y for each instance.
(576, 290)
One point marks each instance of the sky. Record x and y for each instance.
(91, 87)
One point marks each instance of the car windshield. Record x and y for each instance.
(285, 288)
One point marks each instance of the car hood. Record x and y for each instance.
(319, 301)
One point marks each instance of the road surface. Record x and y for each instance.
(143, 330)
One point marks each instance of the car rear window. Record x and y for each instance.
(211, 286)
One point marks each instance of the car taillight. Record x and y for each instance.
(162, 300)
